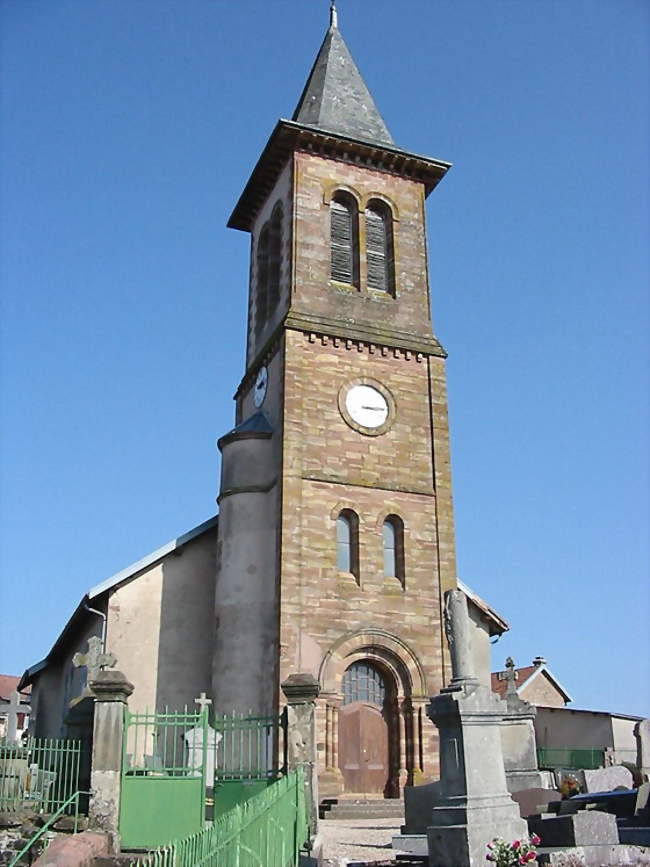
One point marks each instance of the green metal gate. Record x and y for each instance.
(250, 755)
(164, 765)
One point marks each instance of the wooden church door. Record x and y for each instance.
(363, 730)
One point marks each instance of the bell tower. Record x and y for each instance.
(336, 526)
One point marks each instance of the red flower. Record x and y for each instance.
(535, 840)
(522, 859)
(490, 857)
(531, 856)
(516, 845)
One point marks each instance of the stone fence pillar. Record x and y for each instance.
(111, 690)
(301, 691)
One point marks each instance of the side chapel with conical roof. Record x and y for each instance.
(334, 542)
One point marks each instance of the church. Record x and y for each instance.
(334, 541)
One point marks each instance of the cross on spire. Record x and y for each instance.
(334, 18)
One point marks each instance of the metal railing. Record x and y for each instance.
(65, 807)
(268, 830)
(41, 773)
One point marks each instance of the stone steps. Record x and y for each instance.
(361, 808)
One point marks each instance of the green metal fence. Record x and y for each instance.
(269, 830)
(164, 764)
(571, 759)
(41, 773)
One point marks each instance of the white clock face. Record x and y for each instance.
(261, 384)
(367, 406)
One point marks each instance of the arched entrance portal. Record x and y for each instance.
(373, 694)
(366, 729)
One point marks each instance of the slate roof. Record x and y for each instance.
(336, 98)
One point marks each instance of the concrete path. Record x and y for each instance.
(346, 840)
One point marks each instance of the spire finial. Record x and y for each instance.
(334, 18)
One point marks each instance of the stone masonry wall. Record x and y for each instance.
(329, 466)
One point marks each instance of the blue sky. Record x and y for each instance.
(130, 128)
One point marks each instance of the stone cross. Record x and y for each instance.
(459, 635)
(94, 660)
(203, 701)
(14, 708)
(511, 677)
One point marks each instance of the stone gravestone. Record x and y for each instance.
(195, 746)
(585, 828)
(94, 660)
(474, 805)
(534, 801)
(642, 735)
(608, 779)
(518, 738)
(13, 710)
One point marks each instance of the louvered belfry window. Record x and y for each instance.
(379, 248)
(262, 301)
(275, 257)
(343, 239)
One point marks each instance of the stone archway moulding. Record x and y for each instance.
(373, 644)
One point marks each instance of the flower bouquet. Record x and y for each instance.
(503, 854)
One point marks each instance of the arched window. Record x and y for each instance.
(262, 289)
(275, 257)
(379, 247)
(347, 542)
(344, 242)
(363, 682)
(393, 540)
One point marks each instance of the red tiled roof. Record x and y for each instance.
(501, 685)
(8, 683)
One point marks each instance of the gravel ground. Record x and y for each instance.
(346, 840)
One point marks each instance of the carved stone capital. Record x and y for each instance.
(300, 688)
(111, 686)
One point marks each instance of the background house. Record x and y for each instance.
(8, 685)
(570, 737)
(536, 684)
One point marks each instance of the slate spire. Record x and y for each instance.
(335, 98)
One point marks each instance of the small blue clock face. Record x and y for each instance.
(261, 383)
